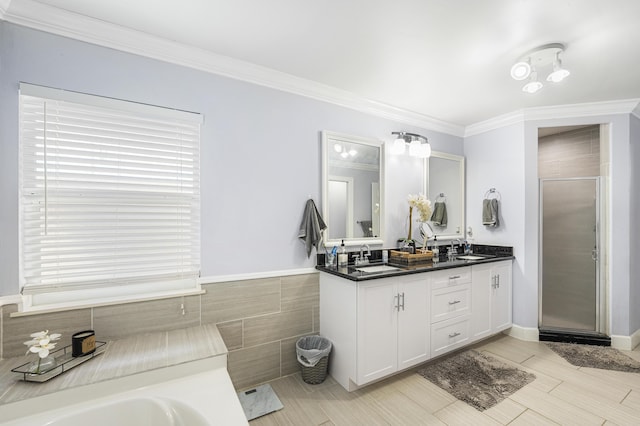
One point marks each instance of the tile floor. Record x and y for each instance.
(561, 394)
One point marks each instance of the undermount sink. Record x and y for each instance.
(376, 268)
(472, 257)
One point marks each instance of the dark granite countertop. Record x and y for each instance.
(353, 274)
(486, 254)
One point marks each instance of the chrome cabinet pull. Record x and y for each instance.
(396, 299)
(497, 281)
(402, 301)
(454, 302)
(454, 277)
(454, 335)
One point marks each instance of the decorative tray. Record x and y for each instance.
(407, 258)
(64, 362)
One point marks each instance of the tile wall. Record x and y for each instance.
(260, 321)
(570, 154)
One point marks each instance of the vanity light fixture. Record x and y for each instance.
(418, 145)
(547, 55)
(399, 146)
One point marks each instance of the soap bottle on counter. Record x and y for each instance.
(343, 257)
(435, 250)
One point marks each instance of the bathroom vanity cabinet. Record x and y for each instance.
(381, 326)
(491, 298)
(390, 326)
(450, 309)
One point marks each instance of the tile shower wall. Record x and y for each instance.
(260, 320)
(570, 154)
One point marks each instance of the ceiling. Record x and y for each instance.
(443, 59)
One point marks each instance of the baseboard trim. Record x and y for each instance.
(626, 343)
(529, 334)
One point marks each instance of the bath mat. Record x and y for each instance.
(259, 401)
(591, 356)
(477, 379)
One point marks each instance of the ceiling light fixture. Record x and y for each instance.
(419, 146)
(343, 151)
(533, 85)
(521, 70)
(537, 59)
(558, 73)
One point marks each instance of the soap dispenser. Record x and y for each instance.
(435, 250)
(343, 257)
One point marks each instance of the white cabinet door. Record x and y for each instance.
(501, 303)
(481, 294)
(377, 325)
(413, 321)
(491, 299)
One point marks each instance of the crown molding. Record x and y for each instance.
(53, 20)
(626, 106)
(4, 6)
(495, 123)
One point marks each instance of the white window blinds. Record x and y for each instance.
(110, 193)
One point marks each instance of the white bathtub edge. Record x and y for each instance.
(204, 385)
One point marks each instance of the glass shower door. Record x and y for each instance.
(569, 255)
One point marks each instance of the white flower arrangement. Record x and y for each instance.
(423, 205)
(420, 202)
(42, 343)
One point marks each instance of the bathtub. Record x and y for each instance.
(173, 396)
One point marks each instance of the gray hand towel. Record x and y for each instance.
(439, 216)
(311, 227)
(490, 212)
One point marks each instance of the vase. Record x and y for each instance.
(410, 236)
(42, 365)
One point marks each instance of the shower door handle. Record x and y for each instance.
(594, 254)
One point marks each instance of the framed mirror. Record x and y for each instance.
(445, 188)
(352, 189)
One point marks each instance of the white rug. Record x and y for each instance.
(259, 402)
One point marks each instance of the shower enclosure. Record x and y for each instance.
(571, 299)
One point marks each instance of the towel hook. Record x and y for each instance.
(492, 193)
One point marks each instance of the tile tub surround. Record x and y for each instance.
(259, 319)
(124, 357)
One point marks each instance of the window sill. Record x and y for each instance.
(27, 309)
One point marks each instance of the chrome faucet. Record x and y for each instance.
(364, 258)
(453, 251)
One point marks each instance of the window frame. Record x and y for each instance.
(38, 297)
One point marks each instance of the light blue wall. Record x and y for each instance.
(634, 253)
(260, 147)
(496, 159)
(506, 159)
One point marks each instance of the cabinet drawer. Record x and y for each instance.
(450, 302)
(449, 335)
(450, 277)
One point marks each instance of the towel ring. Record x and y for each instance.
(441, 197)
(492, 193)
